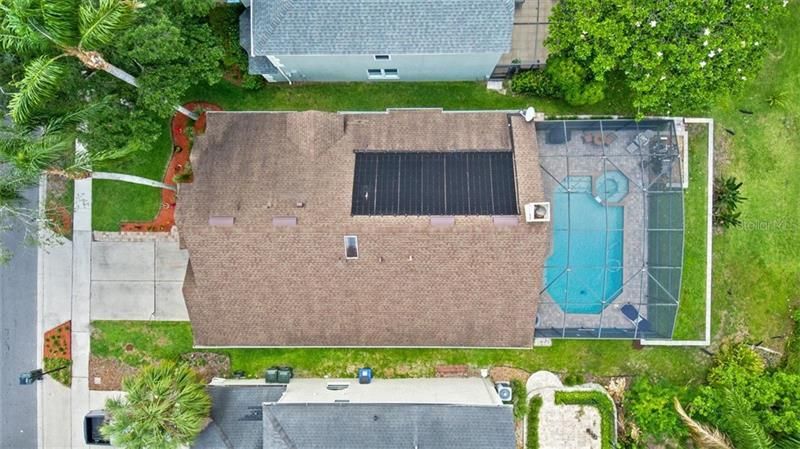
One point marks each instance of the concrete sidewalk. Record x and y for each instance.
(83, 280)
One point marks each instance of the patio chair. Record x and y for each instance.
(610, 138)
(633, 148)
(588, 137)
(632, 314)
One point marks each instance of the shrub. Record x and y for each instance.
(184, 175)
(602, 403)
(650, 406)
(518, 400)
(573, 81)
(727, 199)
(534, 406)
(533, 82)
(573, 379)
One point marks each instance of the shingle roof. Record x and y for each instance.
(236, 412)
(254, 284)
(387, 426)
(328, 27)
(257, 65)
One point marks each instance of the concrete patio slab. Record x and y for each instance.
(171, 261)
(122, 300)
(170, 305)
(129, 261)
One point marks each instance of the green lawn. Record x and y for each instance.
(691, 311)
(379, 96)
(167, 340)
(114, 202)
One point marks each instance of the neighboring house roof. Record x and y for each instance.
(236, 414)
(473, 283)
(257, 65)
(387, 426)
(333, 27)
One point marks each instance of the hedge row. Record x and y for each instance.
(601, 402)
(533, 422)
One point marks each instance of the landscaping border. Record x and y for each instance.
(532, 430)
(599, 400)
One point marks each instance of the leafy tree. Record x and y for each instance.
(672, 54)
(650, 406)
(166, 407)
(741, 392)
(172, 48)
(727, 197)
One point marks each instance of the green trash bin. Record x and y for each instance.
(271, 375)
(285, 374)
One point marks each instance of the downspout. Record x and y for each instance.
(277, 66)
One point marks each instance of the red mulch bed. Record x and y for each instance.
(60, 218)
(166, 215)
(58, 342)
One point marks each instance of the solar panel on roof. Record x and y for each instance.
(429, 183)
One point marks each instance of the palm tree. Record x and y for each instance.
(166, 406)
(14, 213)
(50, 149)
(743, 425)
(55, 29)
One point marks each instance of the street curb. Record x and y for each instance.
(40, 312)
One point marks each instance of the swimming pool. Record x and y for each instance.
(584, 271)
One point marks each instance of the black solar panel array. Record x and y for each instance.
(459, 183)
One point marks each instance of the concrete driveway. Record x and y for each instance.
(138, 281)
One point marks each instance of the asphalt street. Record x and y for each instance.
(18, 351)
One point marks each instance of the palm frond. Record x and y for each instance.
(61, 19)
(742, 424)
(788, 442)
(17, 33)
(705, 437)
(98, 24)
(39, 84)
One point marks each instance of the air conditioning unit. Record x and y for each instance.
(537, 212)
(504, 391)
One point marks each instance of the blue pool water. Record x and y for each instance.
(584, 271)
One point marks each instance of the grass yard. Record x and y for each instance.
(380, 96)
(691, 310)
(167, 340)
(114, 202)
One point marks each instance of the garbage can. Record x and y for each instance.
(285, 374)
(271, 376)
(91, 428)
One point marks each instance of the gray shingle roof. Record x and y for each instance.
(257, 65)
(237, 413)
(387, 426)
(305, 27)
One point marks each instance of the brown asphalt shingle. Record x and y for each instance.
(252, 284)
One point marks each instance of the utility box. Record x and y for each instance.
(364, 375)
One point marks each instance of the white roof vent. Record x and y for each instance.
(537, 212)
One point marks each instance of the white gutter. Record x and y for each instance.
(709, 240)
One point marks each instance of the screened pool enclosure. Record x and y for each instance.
(616, 194)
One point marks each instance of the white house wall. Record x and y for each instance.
(452, 67)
